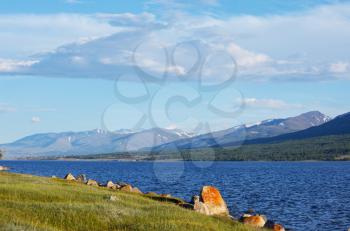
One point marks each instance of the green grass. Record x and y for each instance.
(38, 203)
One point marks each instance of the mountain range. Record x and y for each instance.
(240, 134)
(340, 125)
(156, 139)
(89, 142)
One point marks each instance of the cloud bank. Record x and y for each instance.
(312, 45)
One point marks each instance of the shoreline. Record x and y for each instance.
(176, 160)
(208, 204)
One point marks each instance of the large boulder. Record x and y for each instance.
(255, 221)
(212, 198)
(92, 183)
(69, 177)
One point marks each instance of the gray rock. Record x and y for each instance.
(92, 183)
(200, 207)
(82, 178)
(69, 177)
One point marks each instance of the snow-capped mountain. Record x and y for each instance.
(90, 142)
(263, 129)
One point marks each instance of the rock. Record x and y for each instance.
(255, 221)
(250, 211)
(165, 195)
(212, 198)
(126, 188)
(81, 178)
(92, 183)
(137, 190)
(111, 185)
(246, 215)
(113, 198)
(54, 177)
(273, 226)
(121, 184)
(3, 168)
(200, 207)
(69, 177)
(278, 227)
(152, 194)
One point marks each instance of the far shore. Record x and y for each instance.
(170, 160)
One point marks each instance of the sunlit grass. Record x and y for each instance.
(38, 203)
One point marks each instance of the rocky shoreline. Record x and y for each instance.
(209, 202)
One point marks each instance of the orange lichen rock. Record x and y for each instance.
(212, 198)
(256, 221)
(278, 227)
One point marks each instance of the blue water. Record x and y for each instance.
(300, 195)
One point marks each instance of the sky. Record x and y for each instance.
(74, 65)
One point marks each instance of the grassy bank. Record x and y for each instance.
(38, 203)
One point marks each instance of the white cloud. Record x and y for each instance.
(36, 119)
(45, 32)
(4, 108)
(10, 65)
(269, 103)
(247, 58)
(339, 67)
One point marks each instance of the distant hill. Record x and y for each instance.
(239, 134)
(89, 142)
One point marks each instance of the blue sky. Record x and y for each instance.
(75, 65)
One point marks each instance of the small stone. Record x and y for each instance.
(81, 178)
(165, 195)
(54, 177)
(152, 194)
(113, 198)
(255, 221)
(212, 198)
(250, 211)
(278, 227)
(137, 190)
(121, 184)
(126, 188)
(69, 177)
(92, 183)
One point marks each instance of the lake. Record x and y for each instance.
(299, 195)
